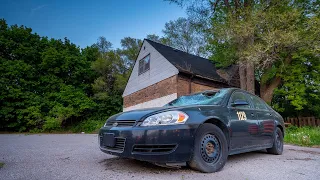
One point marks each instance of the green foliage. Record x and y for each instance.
(88, 126)
(48, 85)
(304, 136)
(53, 85)
(130, 48)
(113, 68)
(183, 35)
(51, 124)
(281, 38)
(301, 81)
(300, 90)
(2, 165)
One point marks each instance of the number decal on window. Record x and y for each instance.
(242, 115)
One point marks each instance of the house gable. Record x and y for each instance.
(160, 69)
(189, 63)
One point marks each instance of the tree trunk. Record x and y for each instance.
(266, 90)
(250, 77)
(248, 3)
(237, 4)
(242, 74)
(226, 3)
(214, 5)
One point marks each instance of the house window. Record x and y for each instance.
(144, 64)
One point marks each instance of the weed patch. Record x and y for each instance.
(303, 136)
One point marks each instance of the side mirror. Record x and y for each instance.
(239, 102)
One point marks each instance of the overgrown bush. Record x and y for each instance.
(88, 126)
(46, 84)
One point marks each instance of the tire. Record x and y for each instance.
(277, 147)
(210, 149)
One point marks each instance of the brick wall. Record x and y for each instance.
(179, 84)
(197, 85)
(183, 86)
(165, 87)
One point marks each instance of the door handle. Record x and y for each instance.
(270, 114)
(252, 114)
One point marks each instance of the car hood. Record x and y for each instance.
(139, 114)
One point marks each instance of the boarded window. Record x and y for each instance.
(144, 64)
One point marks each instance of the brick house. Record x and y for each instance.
(162, 73)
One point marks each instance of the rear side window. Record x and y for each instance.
(258, 103)
(239, 96)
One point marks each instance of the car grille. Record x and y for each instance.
(154, 148)
(119, 145)
(122, 123)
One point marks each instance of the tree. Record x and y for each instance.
(129, 51)
(263, 38)
(183, 35)
(44, 83)
(154, 38)
(214, 18)
(299, 92)
(113, 68)
(103, 45)
(48, 84)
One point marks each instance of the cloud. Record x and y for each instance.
(38, 8)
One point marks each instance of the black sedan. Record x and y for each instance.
(199, 130)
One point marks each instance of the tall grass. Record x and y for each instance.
(304, 136)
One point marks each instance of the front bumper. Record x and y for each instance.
(161, 144)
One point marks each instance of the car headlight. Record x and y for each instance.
(166, 118)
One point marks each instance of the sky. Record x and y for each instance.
(83, 21)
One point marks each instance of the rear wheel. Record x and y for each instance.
(277, 147)
(210, 149)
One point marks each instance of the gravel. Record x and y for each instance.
(77, 156)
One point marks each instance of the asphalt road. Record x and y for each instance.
(77, 156)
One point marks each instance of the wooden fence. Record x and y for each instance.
(303, 121)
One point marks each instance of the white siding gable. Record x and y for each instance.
(160, 69)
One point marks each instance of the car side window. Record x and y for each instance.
(239, 96)
(258, 103)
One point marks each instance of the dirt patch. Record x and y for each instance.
(305, 151)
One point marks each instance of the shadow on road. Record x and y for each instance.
(248, 155)
(117, 164)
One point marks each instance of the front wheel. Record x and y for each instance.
(277, 147)
(210, 150)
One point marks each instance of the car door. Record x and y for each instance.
(243, 122)
(265, 119)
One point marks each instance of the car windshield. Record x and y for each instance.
(203, 98)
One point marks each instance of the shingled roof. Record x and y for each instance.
(188, 63)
